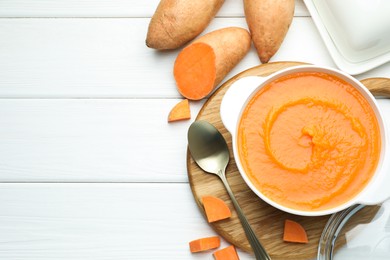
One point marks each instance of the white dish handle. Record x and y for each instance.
(234, 99)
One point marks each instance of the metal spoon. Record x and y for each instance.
(210, 152)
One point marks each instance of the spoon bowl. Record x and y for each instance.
(208, 147)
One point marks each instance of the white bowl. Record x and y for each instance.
(235, 101)
(356, 32)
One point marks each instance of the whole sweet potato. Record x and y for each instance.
(176, 22)
(268, 22)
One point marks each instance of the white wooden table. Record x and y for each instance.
(89, 166)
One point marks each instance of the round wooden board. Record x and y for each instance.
(267, 221)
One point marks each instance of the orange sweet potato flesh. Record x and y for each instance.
(203, 64)
(176, 22)
(204, 244)
(181, 111)
(227, 253)
(195, 71)
(215, 208)
(268, 22)
(294, 232)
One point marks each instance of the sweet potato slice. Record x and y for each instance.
(181, 111)
(215, 208)
(227, 253)
(204, 244)
(294, 232)
(195, 71)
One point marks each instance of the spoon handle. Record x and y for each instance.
(258, 249)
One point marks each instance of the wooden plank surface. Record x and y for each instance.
(75, 58)
(84, 100)
(107, 8)
(91, 140)
(82, 140)
(100, 222)
(95, 58)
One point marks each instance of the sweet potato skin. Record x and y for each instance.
(176, 22)
(230, 45)
(268, 22)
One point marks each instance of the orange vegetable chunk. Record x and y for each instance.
(216, 209)
(204, 244)
(227, 253)
(294, 232)
(181, 111)
(195, 71)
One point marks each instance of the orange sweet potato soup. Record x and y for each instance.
(309, 141)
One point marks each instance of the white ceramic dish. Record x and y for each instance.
(239, 94)
(356, 32)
